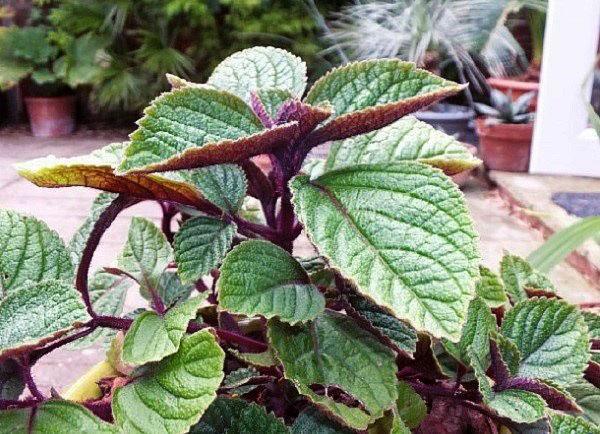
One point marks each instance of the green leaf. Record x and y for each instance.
(30, 252)
(410, 407)
(229, 416)
(490, 289)
(518, 275)
(273, 99)
(407, 139)
(107, 294)
(260, 68)
(223, 184)
(192, 127)
(146, 253)
(552, 338)
(11, 383)
(566, 424)
(200, 246)
(80, 238)
(260, 278)
(592, 320)
(152, 337)
(239, 377)
(313, 421)
(330, 351)
(97, 170)
(38, 313)
(413, 249)
(398, 332)
(371, 94)
(54, 417)
(509, 351)
(587, 397)
(265, 359)
(561, 243)
(391, 423)
(171, 290)
(174, 395)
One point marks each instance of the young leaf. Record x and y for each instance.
(330, 351)
(151, 337)
(38, 313)
(79, 239)
(552, 338)
(223, 184)
(54, 417)
(313, 421)
(407, 139)
(200, 245)
(272, 100)
(509, 351)
(371, 94)
(397, 332)
(556, 397)
(146, 253)
(30, 252)
(410, 407)
(107, 294)
(260, 278)
(171, 290)
(490, 289)
(369, 220)
(11, 383)
(518, 275)
(587, 397)
(227, 415)
(259, 68)
(566, 424)
(265, 359)
(97, 170)
(176, 392)
(200, 126)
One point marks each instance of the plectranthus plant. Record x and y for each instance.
(391, 325)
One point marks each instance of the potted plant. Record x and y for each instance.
(505, 131)
(393, 327)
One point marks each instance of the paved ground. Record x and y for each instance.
(64, 210)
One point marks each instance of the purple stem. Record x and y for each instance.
(37, 354)
(16, 403)
(168, 212)
(28, 379)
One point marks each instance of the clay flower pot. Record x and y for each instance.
(516, 87)
(51, 117)
(505, 146)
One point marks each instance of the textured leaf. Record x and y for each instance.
(199, 126)
(402, 233)
(107, 294)
(239, 377)
(410, 407)
(260, 278)
(587, 397)
(146, 253)
(511, 355)
(313, 421)
(265, 359)
(260, 68)
(30, 252)
(53, 417)
(272, 100)
(518, 275)
(330, 351)
(556, 397)
(552, 338)
(223, 184)
(79, 239)
(11, 383)
(200, 246)
(490, 289)
(371, 94)
(566, 424)
(232, 416)
(152, 337)
(175, 394)
(97, 170)
(389, 424)
(38, 313)
(399, 333)
(171, 290)
(592, 320)
(407, 139)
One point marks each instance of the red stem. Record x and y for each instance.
(37, 354)
(28, 379)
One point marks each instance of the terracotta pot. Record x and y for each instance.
(51, 117)
(505, 146)
(517, 88)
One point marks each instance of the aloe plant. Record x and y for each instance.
(390, 328)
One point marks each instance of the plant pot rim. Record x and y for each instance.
(505, 132)
(512, 83)
(465, 114)
(48, 98)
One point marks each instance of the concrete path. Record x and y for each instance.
(65, 209)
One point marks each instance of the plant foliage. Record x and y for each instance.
(394, 327)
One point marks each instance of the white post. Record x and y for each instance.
(560, 143)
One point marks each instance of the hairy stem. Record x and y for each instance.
(103, 223)
(39, 353)
(25, 367)
(168, 212)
